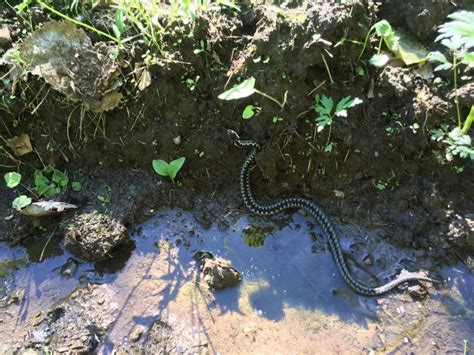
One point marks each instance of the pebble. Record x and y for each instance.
(136, 333)
(177, 140)
(5, 37)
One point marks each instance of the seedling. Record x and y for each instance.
(398, 42)
(324, 107)
(106, 197)
(249, 111)
(276, 119)
(458, 169)
(13, 179)
(201, 49)
(76, 186)
(190, 82)
(457, 143)
(21, 202)
(247, 88)
(50, 181)
(458, 37)
(170, 169)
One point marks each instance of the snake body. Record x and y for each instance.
(318, 213)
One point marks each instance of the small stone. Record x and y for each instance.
(177, 140)
(5, 37)
(100, 299)
(69, 268)
(406, 340)
(368, 260)
(17, 296)
(218, 273)
(401, 310)
(417, 292)
(136, 333)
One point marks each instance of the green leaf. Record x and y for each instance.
(175, 166)
(76, 186)
(406, 47)
(244, 89)
(344, 104)
(327, 103)
(117, 32)
(329, 147)
(161, 167)
(324, 105)
(440, 58)
(383, 29)
(468, 121)
(467, 58)
(60, 178)
(45, 187)
(437, 135)
(119, 23)
(452, 43)
(461, 30)
(21, 202)
(322, 122)
(437, 56)
(24, 5)
(248, 112)
(379, 60)
(12, 179)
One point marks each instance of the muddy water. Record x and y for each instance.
(291, 299)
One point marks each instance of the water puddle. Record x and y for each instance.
(291, 298)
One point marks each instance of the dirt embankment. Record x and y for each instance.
(382, 171)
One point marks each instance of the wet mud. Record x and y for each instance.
(291, 296)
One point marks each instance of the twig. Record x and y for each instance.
(47, 242)
(327, 68)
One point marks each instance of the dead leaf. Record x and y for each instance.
(407, 48)
(46, 208)
(20, 145)
(216, 57)
(144, 80)
(107, 103)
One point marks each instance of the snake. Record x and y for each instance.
(271, 208)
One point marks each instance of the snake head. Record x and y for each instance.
(233, 136)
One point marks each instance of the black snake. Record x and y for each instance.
(320, 216)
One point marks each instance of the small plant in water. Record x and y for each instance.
(170, 169)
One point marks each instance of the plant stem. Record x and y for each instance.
(79, 23)
(468, 121)
(365, 42)
(329, 134)
(379, 48)
(270, 98)
(456, 100)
